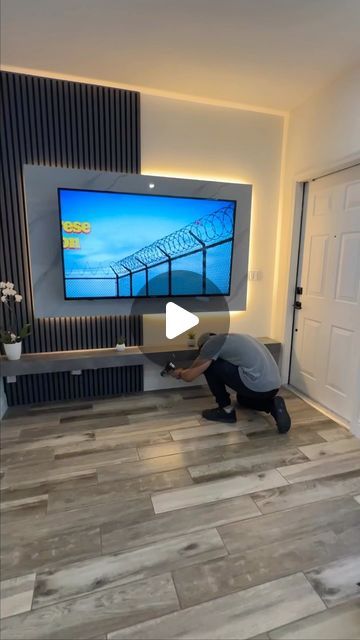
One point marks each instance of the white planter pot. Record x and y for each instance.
(120, 347)
(13, 350)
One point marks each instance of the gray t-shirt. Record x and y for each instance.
(257, 368)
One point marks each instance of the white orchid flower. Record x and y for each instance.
(9, 285)
(18, 297)
(2, 285)
(3, 298)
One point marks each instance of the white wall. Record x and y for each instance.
(326, 128)
(189, 139)
(323, 134)
(215, 143)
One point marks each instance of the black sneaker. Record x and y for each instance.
(280, 414)
(219, 415)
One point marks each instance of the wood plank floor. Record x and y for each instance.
(134, 518)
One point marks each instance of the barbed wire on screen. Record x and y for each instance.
(206, 231)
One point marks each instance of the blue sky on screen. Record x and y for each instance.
(121, 224)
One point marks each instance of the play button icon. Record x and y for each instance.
(178, 320)
(163, 320)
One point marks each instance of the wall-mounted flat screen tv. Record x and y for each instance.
(124, 245)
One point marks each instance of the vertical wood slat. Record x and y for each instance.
(58, 123)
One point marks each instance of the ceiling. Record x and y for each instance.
(269, 53)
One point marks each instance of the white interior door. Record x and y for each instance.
(326, 343)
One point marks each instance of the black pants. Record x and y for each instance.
(221, 374)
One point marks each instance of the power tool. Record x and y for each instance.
(169, 367)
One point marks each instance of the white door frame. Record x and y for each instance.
(297, 199)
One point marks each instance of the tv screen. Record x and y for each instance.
(121, 245)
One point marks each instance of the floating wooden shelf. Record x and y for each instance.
(77, 361)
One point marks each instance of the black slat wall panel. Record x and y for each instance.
(68, 124)
(55, 387)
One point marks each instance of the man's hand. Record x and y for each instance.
(198, 367)
(176, 373)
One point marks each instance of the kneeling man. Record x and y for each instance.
(245, 365)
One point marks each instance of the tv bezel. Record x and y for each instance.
(145, 297)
